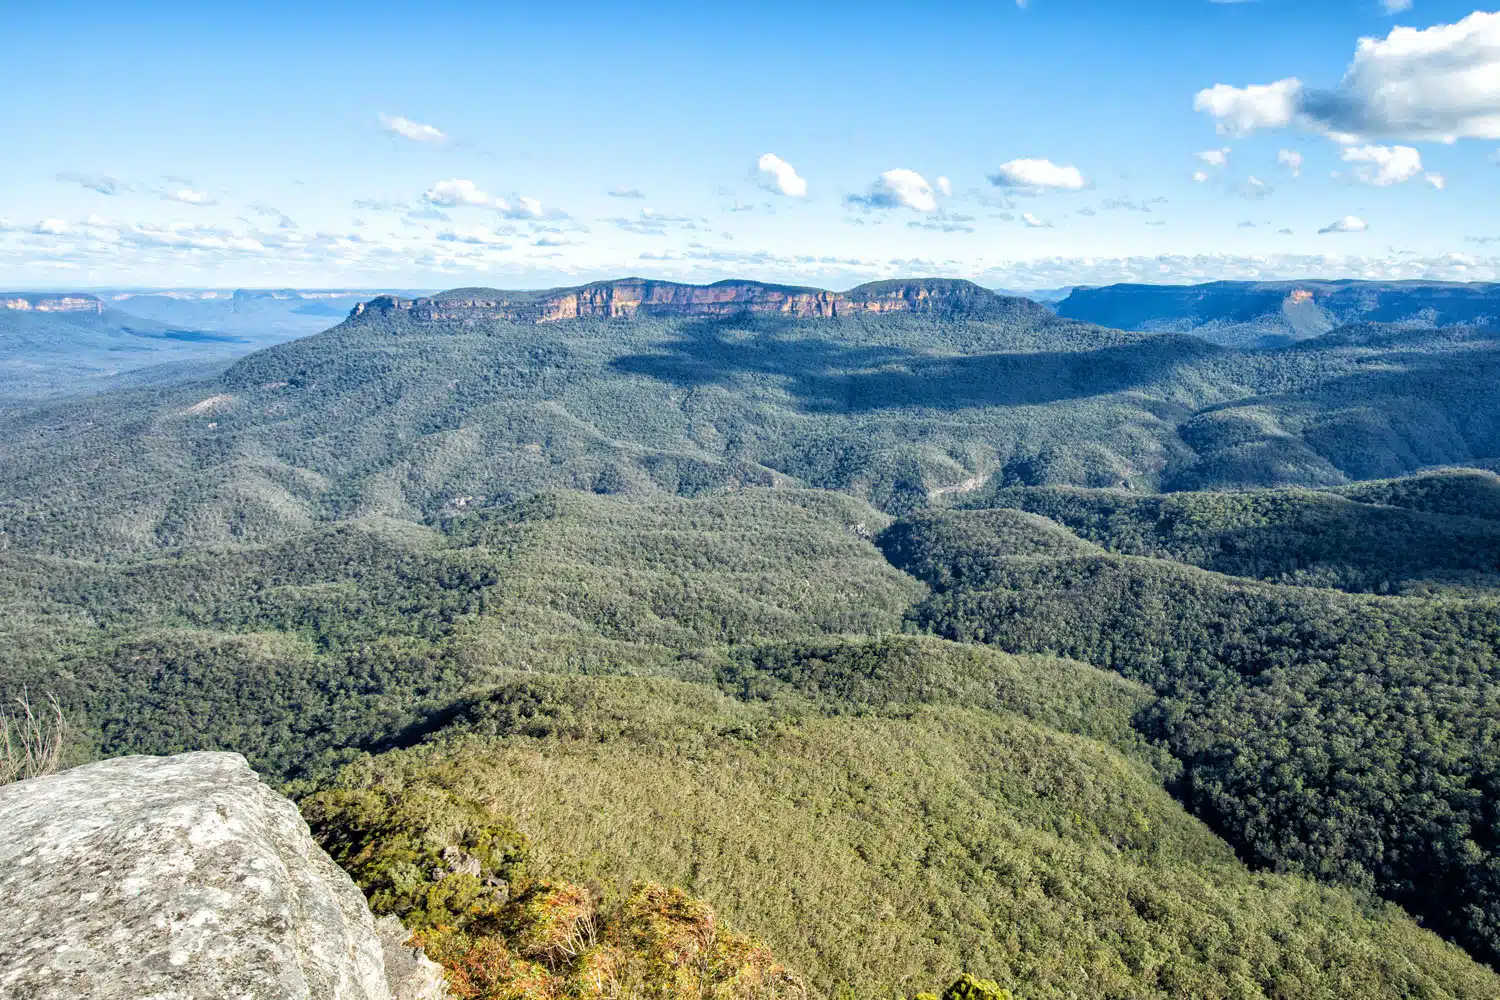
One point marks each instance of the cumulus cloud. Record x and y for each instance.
(1199, 176)
(1395, 6)
(1037, 175)
(897, 189)
(50, 227)
(1383, 166)
(188, 196)
(526, 208)
(1242, 110)
(944, 186)
(1437, 83)
(1032, 222)
(779, 176)
(457, 193)
(1290, 159)
(101, 183)
(1348, 224)
(415, 131)
(1437, 180)
(1215, 157)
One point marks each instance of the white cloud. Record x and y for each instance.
(1437, 180)
(1199, 176)
(1437, 83)
(51, 227)
(1242, 110)
(779, 176)
(458, 193)
(899, 188)
(1348, 224)
(944, 186)
(626, 192)
(188, 196)
(1038, 174)
(526, 208)
(1383, 166)
(1215, 157)
(1395, 6)
(1032, 222)
(415, 131)
(1290, 159)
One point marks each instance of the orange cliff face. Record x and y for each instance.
(30, 302)
(629, 297)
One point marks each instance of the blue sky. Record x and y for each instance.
(434, 145)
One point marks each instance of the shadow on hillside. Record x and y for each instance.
(830, 377)
(1410, 410)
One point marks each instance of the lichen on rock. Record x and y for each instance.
(175, 877)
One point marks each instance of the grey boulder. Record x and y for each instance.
(181, 878)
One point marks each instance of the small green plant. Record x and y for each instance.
(967, 987)
(433, 858)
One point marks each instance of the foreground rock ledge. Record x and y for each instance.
(179, 878)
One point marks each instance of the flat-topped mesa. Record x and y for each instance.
(51, 303)
(629, 297)
(925, 295)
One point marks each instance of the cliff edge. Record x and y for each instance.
(180, 877)
(630, 297)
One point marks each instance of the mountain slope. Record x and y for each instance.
(1271, 313)
(410, 413)
(1346, 736)
(879, 855)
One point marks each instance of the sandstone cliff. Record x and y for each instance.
(181, 877)
(630, 297)
(33, 302)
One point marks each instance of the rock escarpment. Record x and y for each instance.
(629, 297)
(183, 878)
(32, 302)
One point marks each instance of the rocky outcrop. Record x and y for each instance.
(184, 878)
(629, 297)
(410, 973)
(31, 302)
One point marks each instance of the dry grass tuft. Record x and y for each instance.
(31, 740)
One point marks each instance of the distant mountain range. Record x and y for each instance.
(59, 342)
(1275, 313)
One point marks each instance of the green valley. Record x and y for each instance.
(876, 637)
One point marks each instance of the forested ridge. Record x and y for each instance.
(1351, 737)
(845, 655)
